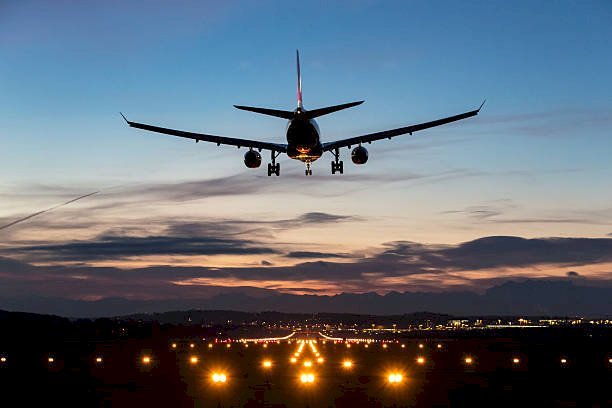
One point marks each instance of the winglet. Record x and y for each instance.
(124, 118)
(481, 105)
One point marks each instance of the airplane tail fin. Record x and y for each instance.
(299, 81)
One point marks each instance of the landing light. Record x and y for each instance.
(219, 377)
(307, 378)
(395, 378)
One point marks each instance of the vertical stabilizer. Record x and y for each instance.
(299, 81)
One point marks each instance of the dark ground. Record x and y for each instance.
(75, 379)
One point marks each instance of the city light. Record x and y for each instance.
(173, 345)
(98, 360)
(563, 361)
(228, 345)
(403, 346)
(267, 363)
(366, 346)
(2, 359)
(191, 345)
(50, 359)
(420, 360)
(468, 360)
(146, 360)
(395, 378)
(210, 345)
(347, 364)
(193, 360)
(265, 345)
(439, 346)
(348, 345)
(384, 345)
(307, 378)
(219, 377)
(516, 360)
(421, 345)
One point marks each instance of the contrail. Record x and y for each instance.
(47, 210)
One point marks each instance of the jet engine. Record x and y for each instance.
(359, 155)
(252, 159)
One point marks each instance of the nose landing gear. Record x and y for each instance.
(308, 170)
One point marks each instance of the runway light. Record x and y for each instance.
(307, 363)
(347, 364)
(146, 360)
(421, 360)
(516, 360)
(193, 360)
(320, 360)
(468, 360)
(267, 364)
(307, 378)
(219, 378)
(395, 378)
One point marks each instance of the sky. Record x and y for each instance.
(427, 211)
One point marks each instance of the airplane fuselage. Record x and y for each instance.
(303, 139)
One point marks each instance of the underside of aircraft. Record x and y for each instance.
(303, 135)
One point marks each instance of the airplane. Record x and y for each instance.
(303, 135)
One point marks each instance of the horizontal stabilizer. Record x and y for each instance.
(270, 112)
(315, 113)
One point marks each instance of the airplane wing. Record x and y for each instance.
(388, 134)
(219, 140)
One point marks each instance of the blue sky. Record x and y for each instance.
(534, 163)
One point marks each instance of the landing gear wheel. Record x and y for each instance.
(308, 171)
(337, 166)
(273, 169)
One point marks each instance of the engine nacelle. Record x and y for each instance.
(359, 155)
(252, 159)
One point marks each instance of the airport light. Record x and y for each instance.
(366, 346)
(210, 345)
(293, 360)
(420, 360)
(516, 360)
(348, 345)
(174, 345)
(403, 346)
(395, 378)
(609, 360)
(2, 359)
(439, 346)
(219, 377)
(563, 361)
(191, 345)
(193, 360)
(320, 360)
(267, 364)
(307, 363)
(384, 345)
(421, 345)
(99, 360)
(265, 345)
(307, 378)
(146, 360)
(347, 364)
(228, 345)
(468, 360)
(50, 360)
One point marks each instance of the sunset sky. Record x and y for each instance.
(427, 212)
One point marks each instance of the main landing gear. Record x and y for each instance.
(274, 167)
(308, 170)
(337, 165)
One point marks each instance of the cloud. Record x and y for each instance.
(572, 274)
(319, 255)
